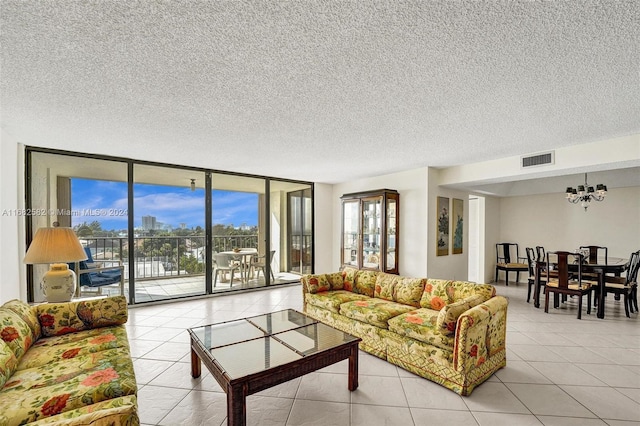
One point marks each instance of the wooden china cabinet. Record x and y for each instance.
(370, 230)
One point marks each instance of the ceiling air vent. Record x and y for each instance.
(538, 159)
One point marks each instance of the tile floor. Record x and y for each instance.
(560, 371)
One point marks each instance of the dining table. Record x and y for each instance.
(243, 256)
(601, 267)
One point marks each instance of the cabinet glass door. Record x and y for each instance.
(371, 226)
(391, 235)
(350, 232)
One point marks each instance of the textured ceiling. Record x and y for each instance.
(322, 91)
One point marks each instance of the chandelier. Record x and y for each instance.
(585, 193)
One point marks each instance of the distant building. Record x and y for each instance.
(148, 223)
(183, 225)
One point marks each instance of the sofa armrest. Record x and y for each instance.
(480, 333)
(68, 317)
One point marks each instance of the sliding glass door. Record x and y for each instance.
(169, 232)
(294, 213)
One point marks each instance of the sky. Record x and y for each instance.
(106, 202)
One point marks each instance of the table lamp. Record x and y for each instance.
(55, 246)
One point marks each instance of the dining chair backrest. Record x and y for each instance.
(634, 265)
(531, 259)
(507, 253)
(559, 261)
(595, 252)
(540, 254)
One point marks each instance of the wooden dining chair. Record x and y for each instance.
(596, 252)
(569, 282)
(626, 286)
(540, 253)
(532, 258)
(508, 260)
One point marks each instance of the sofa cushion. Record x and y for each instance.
(8, 363)
(437, 294)
(74, 345)
(15, 332)
(27, 314)
(373, 311)
(331, 300)
(448, 316)
(68, 317)
(464, 289)
(349, 275)
(408, 291)
(385, 284)
(420, 324)
(366, 282)
(318, 283)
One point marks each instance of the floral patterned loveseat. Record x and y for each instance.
(66, 364)
(450, 332)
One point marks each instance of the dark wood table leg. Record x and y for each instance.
(236, 405)
(353, 368)
(196, 368)
(536, 288)
(600, 313)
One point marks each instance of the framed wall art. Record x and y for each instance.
(443, 226)
(457, 215)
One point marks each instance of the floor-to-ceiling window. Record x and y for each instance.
(88, 195)
(299, 221)
(238, 234)
(169, 232)
(164, 223)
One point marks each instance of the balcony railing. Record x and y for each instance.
(168, 256)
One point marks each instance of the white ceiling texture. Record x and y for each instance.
(323, 91)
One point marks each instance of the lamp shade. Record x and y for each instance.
(54, 245)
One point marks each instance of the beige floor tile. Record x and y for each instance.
(319, 413)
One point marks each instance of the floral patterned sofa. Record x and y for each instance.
(450, 332)
(66, 364)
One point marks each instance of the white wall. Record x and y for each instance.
(323, 218)
(452, 266)
(13, 282)
(492, 220)
(550, 221)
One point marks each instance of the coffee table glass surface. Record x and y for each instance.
(250, 345)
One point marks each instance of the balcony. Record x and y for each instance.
(168, 267)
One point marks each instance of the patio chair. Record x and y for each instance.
(223, 263)
(260, 263)
(96, 278)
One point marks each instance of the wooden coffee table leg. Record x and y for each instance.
(236, 406)
(196, 367)
(353, 368)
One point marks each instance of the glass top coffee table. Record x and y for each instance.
(252, 354)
